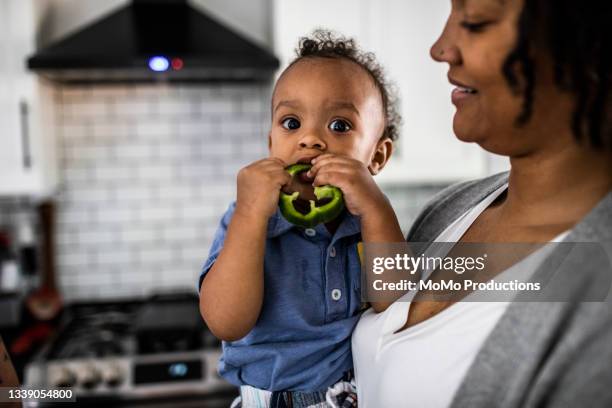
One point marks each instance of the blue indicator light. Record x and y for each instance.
(159, 64)
(178, 370)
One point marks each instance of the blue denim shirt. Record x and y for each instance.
(302, 339)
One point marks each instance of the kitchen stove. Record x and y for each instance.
(132, 351)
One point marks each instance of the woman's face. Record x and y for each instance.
(477, 38)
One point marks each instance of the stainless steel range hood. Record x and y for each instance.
(154, 40)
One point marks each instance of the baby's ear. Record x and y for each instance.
(384, 150)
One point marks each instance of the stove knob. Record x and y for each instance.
(113, 375)
(65, 378)
(90, 377)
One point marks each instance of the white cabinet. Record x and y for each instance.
(400, 33)
(27, 145)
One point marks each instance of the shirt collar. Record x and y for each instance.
(277, 225)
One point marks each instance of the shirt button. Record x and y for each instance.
(310, 232)
(332, 252)
(336, 294)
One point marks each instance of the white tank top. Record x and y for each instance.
(423, 365)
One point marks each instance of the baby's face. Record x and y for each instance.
(324, 105)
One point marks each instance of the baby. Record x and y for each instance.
(285, 299)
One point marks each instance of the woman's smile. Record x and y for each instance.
(460, 95)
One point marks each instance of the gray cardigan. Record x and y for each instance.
(546, 354)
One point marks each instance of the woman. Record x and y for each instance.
(533, 81)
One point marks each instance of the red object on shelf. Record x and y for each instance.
(177, 64)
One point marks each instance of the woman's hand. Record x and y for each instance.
(259, 186)
(361, 193)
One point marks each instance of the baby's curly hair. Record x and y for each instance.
(327, 44)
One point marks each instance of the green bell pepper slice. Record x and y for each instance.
(317, 214)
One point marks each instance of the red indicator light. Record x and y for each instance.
(177, 64)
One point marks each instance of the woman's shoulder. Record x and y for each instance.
(450, 203)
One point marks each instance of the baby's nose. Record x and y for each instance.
(312, 141)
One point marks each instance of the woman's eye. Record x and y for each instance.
(475, 27)
(339, 126)
(291, 124)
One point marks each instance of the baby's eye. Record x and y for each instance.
(290, 124)
(339, 126)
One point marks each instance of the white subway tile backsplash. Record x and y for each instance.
(223, 147)
(114, 215)
(182, 233)
(174, 277)
(72, 259)
(75, 93)
(136, 235)
(197, 212)
(99, 278)
(159, 173)
(111, 131)
(135, 151)
(75, 216)
(134, 193)
(114, 174)
(74, 131)
(89, 194)
(89, 108)
(252, 105)
(256, 149)
(160, 90)
(154, 128)
(97, 236)
(88, 152)
(173, 152)
(131, 108)
(200, 129)
(176, 107)
(197, 251)
(178, 192)
(155, 255)
(67, 241)
(240, 126)
(115, 257)
(110, 91)
(212, 106)
(158, 213)
(73, 175)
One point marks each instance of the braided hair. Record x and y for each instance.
(578, 38)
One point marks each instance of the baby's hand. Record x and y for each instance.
(361, 193)
(259, 186)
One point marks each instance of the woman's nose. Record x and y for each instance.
(445, 48)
